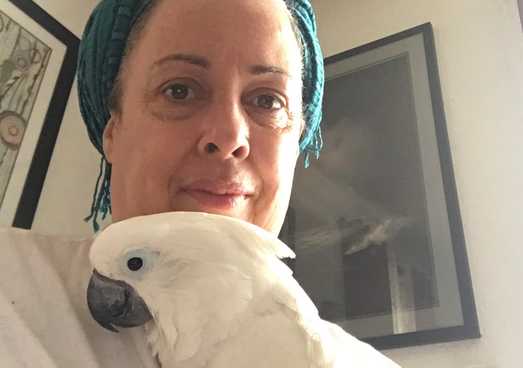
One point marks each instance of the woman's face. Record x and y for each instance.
(210, 114)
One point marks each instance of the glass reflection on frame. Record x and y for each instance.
(375, 221)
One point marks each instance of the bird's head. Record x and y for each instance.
(174, 265)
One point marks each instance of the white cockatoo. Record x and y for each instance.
(212, 292)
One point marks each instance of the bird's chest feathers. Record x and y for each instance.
(202, 306)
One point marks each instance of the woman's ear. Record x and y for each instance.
(302, 130)
(108, 137)
(302, 127)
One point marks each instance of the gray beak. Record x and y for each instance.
(114, 302)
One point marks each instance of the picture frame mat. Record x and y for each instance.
(445, 271)
(39, 111)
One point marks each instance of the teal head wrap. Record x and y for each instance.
(101, 52)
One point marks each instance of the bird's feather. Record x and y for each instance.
(221, 298)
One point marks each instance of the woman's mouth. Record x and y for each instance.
(218, 195)
(213, 200)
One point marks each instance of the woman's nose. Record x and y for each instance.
(226, 133)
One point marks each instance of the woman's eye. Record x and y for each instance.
(179, 91)
(268, 102)
(268, 108)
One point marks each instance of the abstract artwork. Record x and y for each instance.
(37, 68)
(23, 62)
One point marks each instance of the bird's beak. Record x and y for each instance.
(114, 302)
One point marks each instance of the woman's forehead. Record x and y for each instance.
(225, 9)
(214, 28)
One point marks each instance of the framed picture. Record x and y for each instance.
(37, 68)
(375, 222)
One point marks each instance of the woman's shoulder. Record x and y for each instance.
(43, 309)
(35, 237)
(54, 261)
(34, 252)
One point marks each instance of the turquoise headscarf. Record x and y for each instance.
(100, 55)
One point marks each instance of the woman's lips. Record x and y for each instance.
(217, 195)
(218, 201)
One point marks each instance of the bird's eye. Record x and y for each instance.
(135, 263)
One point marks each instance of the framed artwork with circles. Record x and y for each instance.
(37, 67)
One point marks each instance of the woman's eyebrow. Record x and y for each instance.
(267, 69)
(206, 64)
(187, 58)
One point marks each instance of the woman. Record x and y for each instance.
(195, 105)
(205, 112)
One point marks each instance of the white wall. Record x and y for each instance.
(480, 50)
(69, 184)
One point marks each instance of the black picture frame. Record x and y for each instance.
(313, 201)
(34, 181)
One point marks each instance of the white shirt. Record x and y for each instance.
(44, 318)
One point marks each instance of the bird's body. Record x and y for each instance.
(220, 297)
